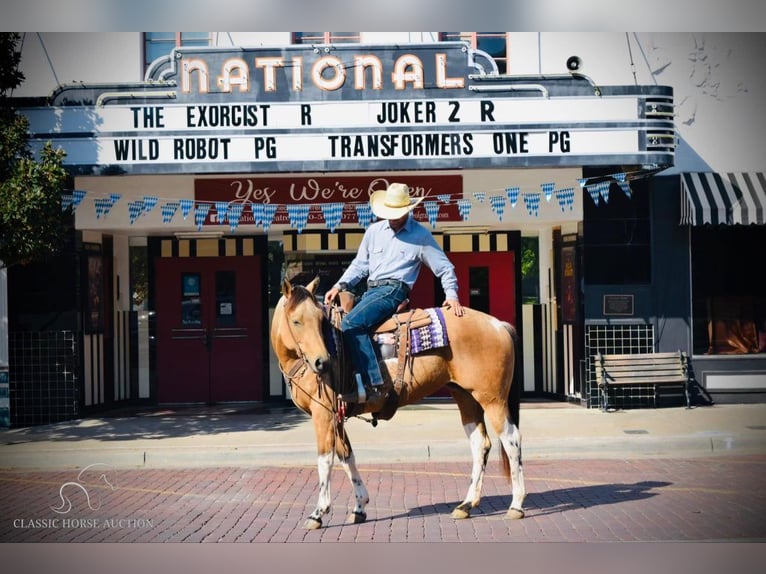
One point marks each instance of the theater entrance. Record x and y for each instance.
(209, 329)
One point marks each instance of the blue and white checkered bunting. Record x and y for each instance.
(234, 215)
(200, 214)
(625, 187)
(257, 209)
(114, 198)
(464, 208)
(548, 190)
(444, 197)
(364, 214)
(479, 196)
(78, 195)
(513, 195)
(168, 211)
(566, 198)
(269, 209)
(432, 210)
(582, 181)
(498, 205)
(593, 191)
(603, 189)
(103, 205)
(186, 207)
(66, 201)
(149, 202)
(135, 209)
(333, 214)
(532, 202)
(298, 215)
(221, 211)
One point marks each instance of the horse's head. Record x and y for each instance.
(298, 325)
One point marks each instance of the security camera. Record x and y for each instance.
(574, 63)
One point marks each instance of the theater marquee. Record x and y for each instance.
(352, 107)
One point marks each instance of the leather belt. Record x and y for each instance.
(384, 282)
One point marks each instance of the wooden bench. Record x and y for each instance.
(655, 369)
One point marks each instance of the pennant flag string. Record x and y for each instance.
(186, 207)
(269, 209)
(432, 210)
(532, 201)
(333, 214)
(234, 215)
(221, 211)
(548, 190)
(78, 195)
(513, 195)
(603, 189)
(464, 208)
(597, 187)
(67, 199)
(135, 208)
(200, 214)
(168, 211)
(498, 205)
(149, 202)
(364, 214)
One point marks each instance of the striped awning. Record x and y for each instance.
(723, 198)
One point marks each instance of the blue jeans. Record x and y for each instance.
(376, 305)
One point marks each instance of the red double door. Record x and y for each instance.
(209, 329)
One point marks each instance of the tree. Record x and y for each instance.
(32, 225)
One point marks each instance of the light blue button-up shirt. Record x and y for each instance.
(384, 254)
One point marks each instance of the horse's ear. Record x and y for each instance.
(287, 288)
(313, 285)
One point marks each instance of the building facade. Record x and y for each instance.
(572, 182)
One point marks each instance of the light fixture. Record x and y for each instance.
(464, 230)
(574, 63)
(198, 234)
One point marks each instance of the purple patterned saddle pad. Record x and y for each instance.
(431, 336)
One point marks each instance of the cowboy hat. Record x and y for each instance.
(393, 202)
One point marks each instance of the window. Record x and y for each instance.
(493, 43)
(728, 290)
(617, 239)
(158, 44)
(325, 37)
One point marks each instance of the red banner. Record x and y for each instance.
(314, 191)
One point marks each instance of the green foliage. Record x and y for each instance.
(32, 225)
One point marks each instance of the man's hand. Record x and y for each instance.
(330, 296)
(457, 308)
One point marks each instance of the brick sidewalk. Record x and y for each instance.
(568, 501)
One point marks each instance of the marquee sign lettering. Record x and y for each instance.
(351, 108)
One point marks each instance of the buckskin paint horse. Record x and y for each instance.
(477, 369)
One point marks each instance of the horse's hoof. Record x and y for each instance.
(460, 513)
(514, 514)
(312, 524)
(357, 517)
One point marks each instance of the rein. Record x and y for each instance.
(298, 371)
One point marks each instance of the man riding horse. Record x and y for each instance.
(390, 256)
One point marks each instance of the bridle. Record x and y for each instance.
(298, 370)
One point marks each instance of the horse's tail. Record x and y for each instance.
(514, 398)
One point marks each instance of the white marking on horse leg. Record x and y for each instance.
(479, 449)
(361, 497)
(510, 438)
(324, 466)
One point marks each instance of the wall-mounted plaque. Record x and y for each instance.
(618, 305)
